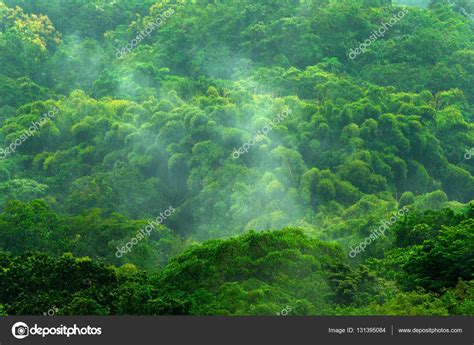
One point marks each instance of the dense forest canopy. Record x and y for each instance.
(236, 157)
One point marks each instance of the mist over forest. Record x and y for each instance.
(211, 157)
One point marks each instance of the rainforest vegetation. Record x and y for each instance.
(149, 111)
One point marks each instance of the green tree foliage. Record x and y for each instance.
(159, 126)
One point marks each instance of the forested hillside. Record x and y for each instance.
(237, 157)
